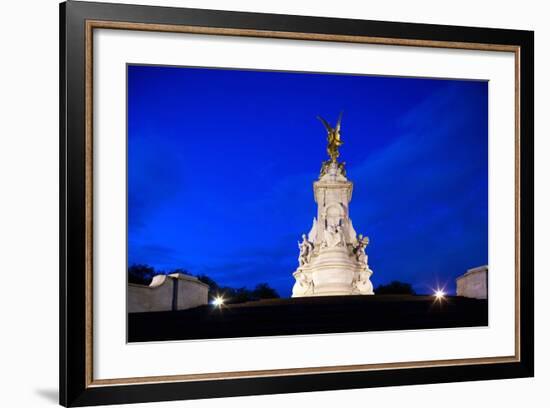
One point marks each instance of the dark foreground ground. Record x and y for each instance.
(308, 316)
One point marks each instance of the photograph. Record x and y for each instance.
(277, 203)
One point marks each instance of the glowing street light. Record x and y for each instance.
(439, 294)
(218, 301)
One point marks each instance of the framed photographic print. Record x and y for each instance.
(256, 203)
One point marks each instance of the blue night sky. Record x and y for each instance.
(221, 165)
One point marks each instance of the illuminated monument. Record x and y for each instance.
(332, 258)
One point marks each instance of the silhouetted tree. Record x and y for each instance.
(214, 287)
(264, 291)
(395, 288)
(141, 274)
(239, 295)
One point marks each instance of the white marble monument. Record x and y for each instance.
(332, 260)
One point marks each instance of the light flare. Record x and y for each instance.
(218, 301)
(439, 294)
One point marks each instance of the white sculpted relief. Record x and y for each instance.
(362, 243)
(303, 285)
(333, 237)
(306, 250)
(351, 234)
(362, 285)
(312, 236)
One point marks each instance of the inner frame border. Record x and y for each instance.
(90, 25)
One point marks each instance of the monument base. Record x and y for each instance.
(296, 292)
(333, 272)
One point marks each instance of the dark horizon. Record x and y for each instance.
(221, 165)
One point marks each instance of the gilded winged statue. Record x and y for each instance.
(333, 138)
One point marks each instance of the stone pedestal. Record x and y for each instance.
(332, 257)
(474, 283)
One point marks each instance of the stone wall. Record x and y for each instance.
(473, 283)
(167, 292)
(191, 292)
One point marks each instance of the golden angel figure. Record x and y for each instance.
(333, 138)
